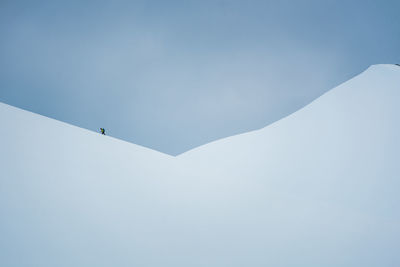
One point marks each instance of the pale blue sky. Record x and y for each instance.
(172, 75)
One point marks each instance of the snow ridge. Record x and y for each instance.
(317, 188)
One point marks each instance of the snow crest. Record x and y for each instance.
(317, 188)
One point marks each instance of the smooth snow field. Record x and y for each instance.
(320, 187)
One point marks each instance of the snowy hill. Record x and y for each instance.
(317, 188)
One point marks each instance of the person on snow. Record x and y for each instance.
(103, 132)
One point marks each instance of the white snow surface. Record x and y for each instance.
(320, 187)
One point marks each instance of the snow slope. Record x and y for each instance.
(318, 188)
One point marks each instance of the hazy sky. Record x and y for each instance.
(172, 75)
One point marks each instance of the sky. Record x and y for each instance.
(173, 75)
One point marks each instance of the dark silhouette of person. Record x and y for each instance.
(103, 131)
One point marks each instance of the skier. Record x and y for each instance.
(103, 131)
